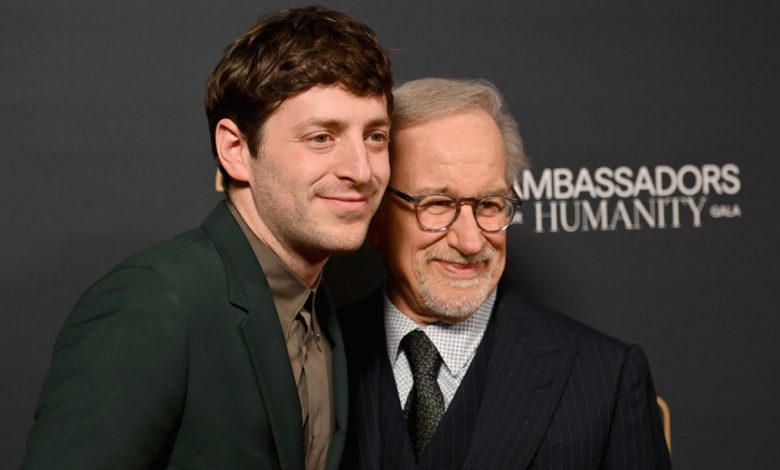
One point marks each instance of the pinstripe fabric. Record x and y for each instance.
(543, 392)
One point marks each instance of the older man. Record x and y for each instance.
(216, 350)
(448, 369)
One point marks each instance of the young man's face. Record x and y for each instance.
(443, 275)
(321, 170)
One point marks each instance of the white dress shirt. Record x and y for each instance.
(457, 344)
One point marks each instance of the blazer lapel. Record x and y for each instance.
(363, 330)
(526, 375)
(330, 324)
(267, 348)
(365, 439)
(249, 291)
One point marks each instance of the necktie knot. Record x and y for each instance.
(424, 358)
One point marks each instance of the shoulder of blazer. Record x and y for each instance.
(522, 315)
(213, 260)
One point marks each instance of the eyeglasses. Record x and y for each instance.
(437, 212)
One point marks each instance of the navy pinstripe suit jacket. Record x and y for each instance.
(543, 392)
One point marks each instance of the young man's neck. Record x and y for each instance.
(307, 270)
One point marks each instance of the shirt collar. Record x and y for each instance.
(290, 294)
(456, 343)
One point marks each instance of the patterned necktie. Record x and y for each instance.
(425, 404)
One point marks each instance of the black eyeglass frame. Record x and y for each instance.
(514, 203)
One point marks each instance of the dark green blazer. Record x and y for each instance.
(176, 359)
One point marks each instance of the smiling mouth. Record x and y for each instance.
(461, 270)
(348, 203)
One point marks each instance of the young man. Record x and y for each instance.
(217, 349)
(448, 369)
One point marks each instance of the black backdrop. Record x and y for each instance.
(105, 150)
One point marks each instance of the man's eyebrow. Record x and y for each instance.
(378, 122)
(434, 190)
(449, 190)
(327, 123)
(338, 124)
(502, 191)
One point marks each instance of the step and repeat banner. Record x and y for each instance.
(650, 207)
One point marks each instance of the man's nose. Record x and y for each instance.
(464, 234)
(353, 160)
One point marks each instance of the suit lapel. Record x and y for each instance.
(365, 440)
(450, 444)
(330, 325)
(526, 375)
(377, 434)
(249, 291)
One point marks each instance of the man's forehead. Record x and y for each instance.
(453, 156)
(446, 179)
(334, 104)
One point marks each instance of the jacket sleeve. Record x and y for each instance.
(636, 440)
(114, 392)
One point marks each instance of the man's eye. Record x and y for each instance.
(490, 205)
(377, 137)
(440, 202)
(437, 205)
(320, 138)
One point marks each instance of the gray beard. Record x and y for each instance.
(431, 290)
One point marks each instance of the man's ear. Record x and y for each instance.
(233, 151)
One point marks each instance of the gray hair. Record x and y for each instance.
(425, 99)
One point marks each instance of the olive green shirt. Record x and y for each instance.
(309, 350)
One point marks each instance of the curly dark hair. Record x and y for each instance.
(287, 53)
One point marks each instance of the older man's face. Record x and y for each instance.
(445, 275)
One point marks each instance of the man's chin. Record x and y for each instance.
(455, 305)
(451, 313)
(346, 239)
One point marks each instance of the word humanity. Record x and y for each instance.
(607, 199)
